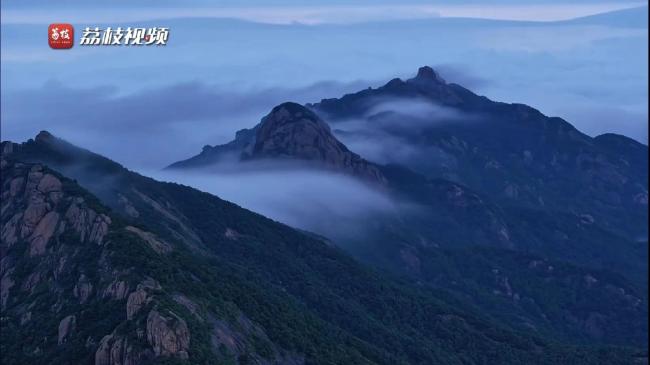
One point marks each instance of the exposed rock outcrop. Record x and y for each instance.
(90, 225)
(118, 290)
(136, 301)
(116, 350)
(154, 242)
(168, 335)
(6, 283)
(292, 131)
(141, 297)
(66, 327)
(42, 233)
(41, 194)
(83, 289)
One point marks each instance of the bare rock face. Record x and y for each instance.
(293, 131)
(60, 233)
(168, 335)
(136, 301)
(151, 239)
(49, 183)
(90, 225)
(116, 350)
(83, 289)
(9, 230)
(42, 233)
(118, 290)
(37, 200)
(66, 327)
(103, 353)
(6, 283)
(141, 297)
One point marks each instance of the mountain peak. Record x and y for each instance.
(44, 136)
(395, 83)
(293, 131)
(291, 112)
(290, 106)
(290, 129)
(426, 73)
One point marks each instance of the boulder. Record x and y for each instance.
(66, 327)
(83, 289)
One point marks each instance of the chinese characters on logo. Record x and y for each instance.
(124, 36)
(60, 36)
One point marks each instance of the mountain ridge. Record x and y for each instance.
(517, 180)
(270, 289)
(503, 205)
(512, 152)
(290, 131)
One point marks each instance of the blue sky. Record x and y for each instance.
(228, 63)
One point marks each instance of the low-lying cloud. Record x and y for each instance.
(333, 205)
(391, 129)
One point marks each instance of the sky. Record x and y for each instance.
(316, 13)
(228, 63)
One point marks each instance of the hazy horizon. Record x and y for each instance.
(217, 76)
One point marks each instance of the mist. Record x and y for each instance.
(388, 132)
(333, 205)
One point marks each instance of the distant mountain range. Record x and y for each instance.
(525, 247)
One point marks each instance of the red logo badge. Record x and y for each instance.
(60, 36)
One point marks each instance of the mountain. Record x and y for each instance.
(134, 270)
(289, 131)
(523, 187)
(561, 193)
(510, 152)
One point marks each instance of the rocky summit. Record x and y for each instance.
(291, 132)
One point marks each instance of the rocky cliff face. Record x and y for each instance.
(36, 212)
(72, 281)
(293, 131)
(56, 256)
